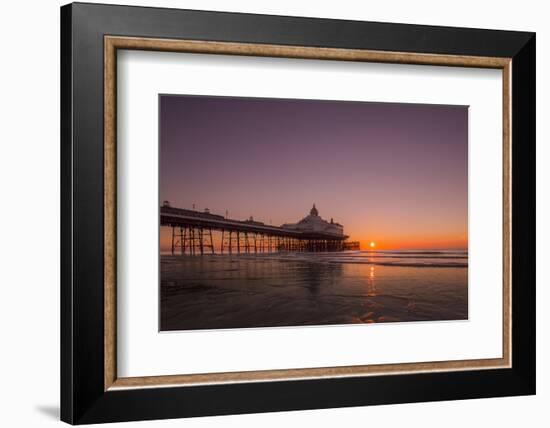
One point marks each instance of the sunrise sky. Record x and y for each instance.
(393, 174)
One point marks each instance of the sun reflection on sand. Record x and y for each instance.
(371, 284)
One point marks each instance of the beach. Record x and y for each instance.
(305, 289)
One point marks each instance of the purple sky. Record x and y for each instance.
(395, 174)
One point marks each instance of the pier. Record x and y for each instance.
(192, 233)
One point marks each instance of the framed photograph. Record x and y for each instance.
(266, 213)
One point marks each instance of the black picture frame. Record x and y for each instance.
(83, 398)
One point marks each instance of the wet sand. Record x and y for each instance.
(268, 290)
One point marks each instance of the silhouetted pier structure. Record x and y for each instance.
(192, 234)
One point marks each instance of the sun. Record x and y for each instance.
(372, 244)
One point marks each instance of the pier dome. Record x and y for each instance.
(314, 211)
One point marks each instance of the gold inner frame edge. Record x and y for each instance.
(113, 43)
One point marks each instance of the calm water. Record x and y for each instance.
(265, 290)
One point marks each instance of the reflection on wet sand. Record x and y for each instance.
(310, 289)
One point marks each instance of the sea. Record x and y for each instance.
(308, 289)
